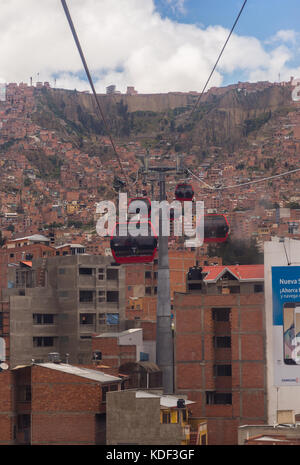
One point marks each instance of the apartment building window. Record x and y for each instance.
(1, 321)
(112, 296)
(112, 275)
(43, 318)
(148, 274)
(148, 290)
(108, 318)
(221, 314)
(235, 290)
(41, 341)
(86, 296)
(101, 296)
(258, 288)
(87, 318)
(218, 398)
(101, 274)
(221, 342)
(155, 274)
(86, 271)
(222, 370)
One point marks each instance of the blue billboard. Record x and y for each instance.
(286, 324)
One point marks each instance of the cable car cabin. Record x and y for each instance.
(216, 228)
(130, 249)
(184, 192)
(144, 199)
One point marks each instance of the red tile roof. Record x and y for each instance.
(241, 272)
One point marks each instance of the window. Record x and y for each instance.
(112, 318)
(102, 318)
(148, 274)
(108, 318)
(221, 314)
(43, 318)
(87, 318)
(61, 270)
(218, 398)
(101, 296)
(166, 417)
(112, 296)
(234, 289)
(222, 370)
(86, 296)
(222, 341)
(86, 271)
(155, 274)
(41, 341)
(155, 290)
(12, 255)
(148, 290)
(112, 275)
(258, 288)
(101, 274)
(1, 321)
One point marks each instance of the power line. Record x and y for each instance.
(220, 54)
(214, 67)
(258, 180)
(244, 183)
(66, 10)
(200, 180)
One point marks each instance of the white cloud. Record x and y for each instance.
(127, 43)
(177, 5)
(284, 35)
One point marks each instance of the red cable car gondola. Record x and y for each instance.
(130, 249)
(216, 228)
(184, 192)
(144, 199)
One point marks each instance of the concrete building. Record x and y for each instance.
(220, 359)
(55, 304)
(144, 417)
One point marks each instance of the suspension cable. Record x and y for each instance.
(66, 10)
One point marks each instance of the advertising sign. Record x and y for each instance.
(286, 325)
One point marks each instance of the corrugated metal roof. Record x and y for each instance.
(165, 400)
(82, 372)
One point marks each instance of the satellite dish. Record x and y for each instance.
(3, 366)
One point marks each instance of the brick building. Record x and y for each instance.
(54, 403)
(220, 359)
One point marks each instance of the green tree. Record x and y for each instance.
(237, 251)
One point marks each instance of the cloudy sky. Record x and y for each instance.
(154, 45)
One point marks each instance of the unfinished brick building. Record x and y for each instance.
(220, 359)
(54, 403)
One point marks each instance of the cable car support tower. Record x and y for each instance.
(164, 334)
